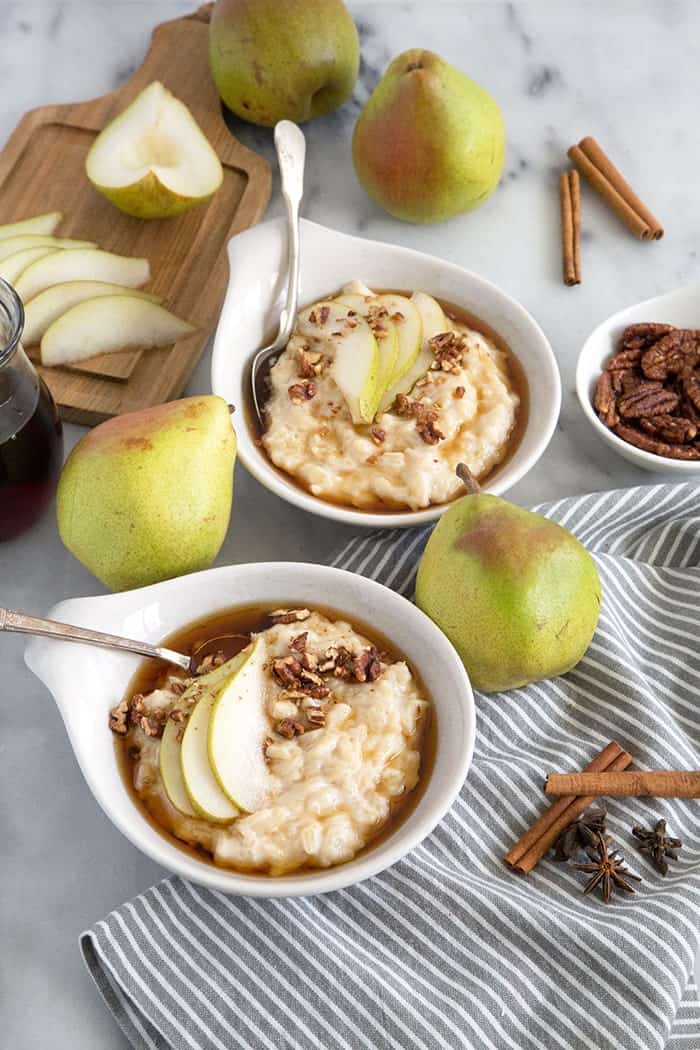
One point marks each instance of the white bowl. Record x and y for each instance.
(329, 259)
(680, 308)
(87, 682)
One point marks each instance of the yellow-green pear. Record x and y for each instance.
(517, 595)
(430, 142)
(147, 495)
(291, 61)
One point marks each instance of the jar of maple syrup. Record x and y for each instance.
(31, 436)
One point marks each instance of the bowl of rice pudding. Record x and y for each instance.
(308, 751)
(400, 367)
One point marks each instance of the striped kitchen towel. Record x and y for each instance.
(449, 948)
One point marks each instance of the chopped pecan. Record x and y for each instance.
(647, 403)
(292, 694)
(177, 715)
(402, 405)
(315, 716)
(458, 393)
(310, 363)
(154, 724)
(378, 435)
(674, 429)
(298, 644)
(119, 718)
(289, 727)
(366, 665)
(651, 444)
(448, 348)
(287, 670)
(289, 615)
(428, 431)
(605, 402)
(309, 661)
(301, 392)
(177, 687)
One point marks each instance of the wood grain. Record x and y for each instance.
(42, 168)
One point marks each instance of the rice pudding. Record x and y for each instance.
(455, 401)
(338, 748)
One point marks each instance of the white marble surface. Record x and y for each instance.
(626, 72)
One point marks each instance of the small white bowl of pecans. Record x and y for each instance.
(400, 366)
(638, 382)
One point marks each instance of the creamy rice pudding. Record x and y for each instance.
(456, 401)
(334, 759)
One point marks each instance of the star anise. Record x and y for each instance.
(582, 834)
(607, 871)
(658, 844)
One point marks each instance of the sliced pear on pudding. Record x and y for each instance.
(107, 325)
(82, 264)
(40, 224)
(409, 328)
(10, 245)
(202, 787)
(14, 265)
(238, 726)
(171, 769)
(323, 320)
(433, 322)
(49, 305)
(153, 161)
(384, 331)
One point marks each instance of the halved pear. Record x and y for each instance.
(384, 332)
(238, 726)
(109, 324)
(49, 305)
(9, 245)
(45, 224)
(153, 161)
(14, 265)
(88, 264)
(202, 787)
(171, 770)
(433, 322)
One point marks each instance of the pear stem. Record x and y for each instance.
(468, 480)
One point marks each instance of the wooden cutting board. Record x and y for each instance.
(42, 168)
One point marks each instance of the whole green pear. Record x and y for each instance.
(430, 142)
(147, 495)
(274, 61)
(517, 595)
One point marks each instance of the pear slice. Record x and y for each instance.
(40, 224)
(171, 770)
(89, 264)
(384, 331)
(202, 787)
(238, 726)
(405, 316)
(49, 305)
(14, 265)
(433, 322)
(153, 161)
(355, 365)
(106, 325)
(9, 245)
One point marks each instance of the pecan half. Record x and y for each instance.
(640, 336)
(669, 355)
(624, 360)
(691, 389)
(119, 718)
(605, 402)
(651, 444)
(647, 403)
(674, 429)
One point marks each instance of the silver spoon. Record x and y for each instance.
(291, 154)
(23, 624)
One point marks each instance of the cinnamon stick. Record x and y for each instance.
(665, 783)
(570, 203)
(533, 845)
(610, 183)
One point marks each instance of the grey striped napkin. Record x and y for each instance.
(449, 948)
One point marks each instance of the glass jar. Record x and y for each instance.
(31, 436)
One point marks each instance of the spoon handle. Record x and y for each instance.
(291, 153)
(23, 624)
